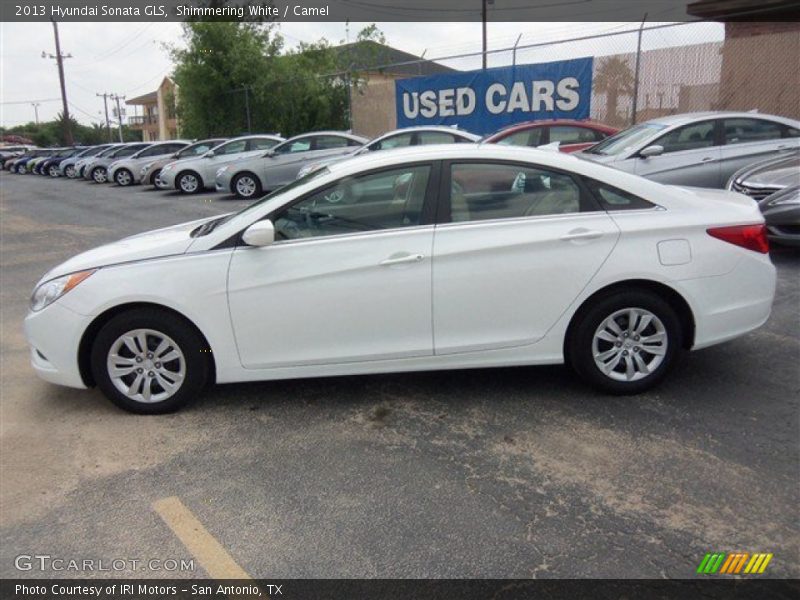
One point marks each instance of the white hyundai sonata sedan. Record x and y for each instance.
(436, 257)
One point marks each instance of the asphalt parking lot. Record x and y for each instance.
(519, 472)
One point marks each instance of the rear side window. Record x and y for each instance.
(326, 142)
(742, 131)
(688, 137)
(487, 191)
(262, 144)
(573, 135)
(613, 198)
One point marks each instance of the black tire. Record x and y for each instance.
(123, 177)
(580, 351)
(182, 182)
(153, 176)
(253, 189)
(186, 338)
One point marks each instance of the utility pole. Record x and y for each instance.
(60, 62)
(105, 105)
(36, 106)
(636, 71)
(484, 18)
(117, 97)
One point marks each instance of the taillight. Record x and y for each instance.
(752, 237)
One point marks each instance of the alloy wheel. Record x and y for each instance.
(123, 177)
(630, 344)
(53, 170)
(70, 171)
(146, 365)
(189, 183)
(245, 186)
(99, 175)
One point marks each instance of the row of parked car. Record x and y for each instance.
(751, 153)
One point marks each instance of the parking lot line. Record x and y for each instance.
(204, 547)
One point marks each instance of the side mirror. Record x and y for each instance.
(652, 151)
(209, 154)
(269, 153)
(261, 233)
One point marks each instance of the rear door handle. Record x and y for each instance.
(581, 234)
(707, 159)
(401, 260)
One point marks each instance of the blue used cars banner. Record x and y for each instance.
(485, 101)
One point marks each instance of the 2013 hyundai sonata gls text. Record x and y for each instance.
(436, 257)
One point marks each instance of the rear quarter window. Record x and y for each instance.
(613, 198)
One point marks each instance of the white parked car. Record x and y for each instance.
(126, 171)
(699, 149)
(193, 175)
(435, 257)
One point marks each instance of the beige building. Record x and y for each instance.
(156, 118)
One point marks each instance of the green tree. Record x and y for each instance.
(614, 78)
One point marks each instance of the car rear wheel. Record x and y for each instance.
(626, 342)
(70, 172)
(148, 361)
(246, 185)
(123, 177)
(189, 182)
(99, 175)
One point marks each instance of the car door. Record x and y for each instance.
(516, 246)
(691, 157)
(348, 278)
(749, 140)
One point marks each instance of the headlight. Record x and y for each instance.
(221, 170)
(52, 290)
(168, 168)
(113, 165)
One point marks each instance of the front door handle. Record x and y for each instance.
(581, 234)
(707, 159)
(401, 260)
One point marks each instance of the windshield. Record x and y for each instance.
(626, 140)
(199, 148)
(209, 226)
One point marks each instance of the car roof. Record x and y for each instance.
(345, 134)
(685, 118)
(554, 122)
(442, 128)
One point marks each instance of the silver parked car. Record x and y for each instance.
(82, 163)
(67, 167)
(126, 171)
(196, 174)
(696, 149)
(150, 171)
(401, 138)
(97, 169)
(775, 184)
(250, 177)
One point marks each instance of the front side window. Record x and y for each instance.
(326, 142)
(742, 131)
(434, 137)
(262, 144)
(396, 141)
(384, 200)
(232, 148)
(301, 145)
(484, 191)
(688, 137)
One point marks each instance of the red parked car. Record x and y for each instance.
(571, 135)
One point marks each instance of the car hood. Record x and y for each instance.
(150, 244)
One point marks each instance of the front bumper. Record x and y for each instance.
(54, 334)
(166, 181)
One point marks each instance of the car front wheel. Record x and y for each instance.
(148, 361)
(123, 177)
(189, 183)
(70, 171)
(53, 171)
(626, 342)
(99, 175)
(246, 186)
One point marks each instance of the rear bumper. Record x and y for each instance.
(731, 305)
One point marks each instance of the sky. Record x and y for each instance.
(129, 59)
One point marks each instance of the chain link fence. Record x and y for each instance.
(639, 74)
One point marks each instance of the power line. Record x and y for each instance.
(29, 101)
